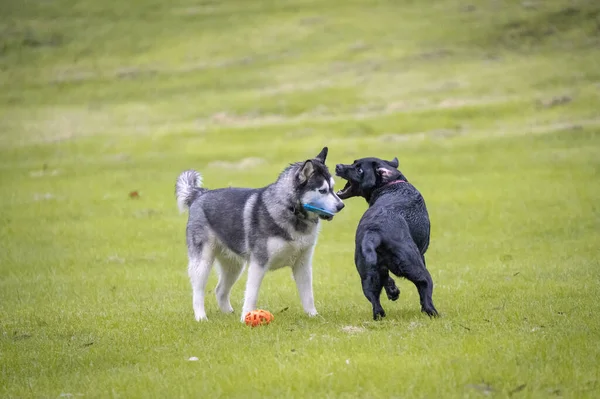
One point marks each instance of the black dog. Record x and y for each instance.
(392, 235)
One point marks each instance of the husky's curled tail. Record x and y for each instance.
(187, 188)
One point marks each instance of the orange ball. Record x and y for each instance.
(258, 317)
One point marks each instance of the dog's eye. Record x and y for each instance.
(360, 171)
(323, 191)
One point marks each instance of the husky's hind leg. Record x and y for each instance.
(201, 260)
(229, 272)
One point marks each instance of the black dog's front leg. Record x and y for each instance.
(372, 286)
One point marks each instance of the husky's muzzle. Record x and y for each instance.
(322, 213)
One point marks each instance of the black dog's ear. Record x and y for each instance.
(367, 184)
(306, 170)
(393, 163)
(385, 173)
(322, 155)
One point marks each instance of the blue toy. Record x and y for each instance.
(318, 211)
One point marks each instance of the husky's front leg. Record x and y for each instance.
(302, 271)
(256, 272)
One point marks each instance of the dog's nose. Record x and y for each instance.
(340, 206)
(338, 168)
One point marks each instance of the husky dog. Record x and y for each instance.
(267, 228)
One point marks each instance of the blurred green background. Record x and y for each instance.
(491, 106)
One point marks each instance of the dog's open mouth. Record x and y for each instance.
(348, 191)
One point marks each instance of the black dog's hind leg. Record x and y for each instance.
(373, 280)
(425, 287)
(391, 290)
(413, 268)
(372, 287)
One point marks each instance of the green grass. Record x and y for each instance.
(492, 109)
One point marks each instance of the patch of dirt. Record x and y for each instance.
(413, 325)
(146, 213)
(121, 157)
(434, 134)
(44, 173)
(483, 387)
(301, 132)
(296, 87)
(43, 197)
(56, 124)
(400, 137)
(134, 72)
(359, 46)
(115, 259)
(246, 163)
(541, 27)
(555, 101)
(70, 75)
(353, 329)
(198, 10)
(435, 55)
(321, 113)
(468, 8)
(224, 118)
(235, 62)
(309, 21)
(39, 39)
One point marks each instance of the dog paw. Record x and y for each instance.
(378, 314)
(226, 309)
(201, 317)
(243, 316)
(430, 311)
(312, 313)
(393, 293)
(391, 289)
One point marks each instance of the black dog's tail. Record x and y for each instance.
(187, 188)
(368, 247)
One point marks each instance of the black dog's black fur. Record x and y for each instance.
(392, 235)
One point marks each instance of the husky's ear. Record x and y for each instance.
(306, 170)
(393, 163)
(322, 155)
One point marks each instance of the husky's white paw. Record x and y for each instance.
(312, 312)
(226, 308)
(243, 317)
(200, 316)
(223, 301)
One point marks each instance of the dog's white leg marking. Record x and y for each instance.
(229, 272)
(198, 270)
(302, 272)
(256, 272)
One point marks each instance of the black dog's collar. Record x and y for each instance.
(395, 182)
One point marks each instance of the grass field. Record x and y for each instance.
(492, 107)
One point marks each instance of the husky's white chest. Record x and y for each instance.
(287, 253)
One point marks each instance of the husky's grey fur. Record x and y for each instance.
(266, 228)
